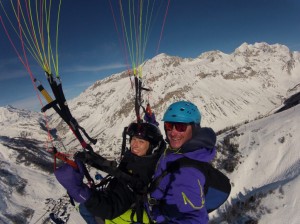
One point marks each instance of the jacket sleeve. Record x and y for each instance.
(111, 203)
(185, 199)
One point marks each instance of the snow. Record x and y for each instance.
(269, 147)
(267, 163)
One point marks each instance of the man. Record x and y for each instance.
(179, 196)
(146, 144)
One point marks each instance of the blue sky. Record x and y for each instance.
(89, 47)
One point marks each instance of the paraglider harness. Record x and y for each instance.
(59, 104)
(216, 189)
(88, 156)
(139, 188)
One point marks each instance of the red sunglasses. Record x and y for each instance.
(180, 127)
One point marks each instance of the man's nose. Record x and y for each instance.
(173, 131)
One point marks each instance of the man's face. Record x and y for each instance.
(178, 134)
(139, 146)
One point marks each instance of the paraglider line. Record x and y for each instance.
(163, 26)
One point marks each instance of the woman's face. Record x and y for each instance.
(139, 146)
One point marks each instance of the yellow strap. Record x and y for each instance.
(46, 96)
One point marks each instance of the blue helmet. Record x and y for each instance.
(184, 112)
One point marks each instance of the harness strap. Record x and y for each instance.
(123, 149)
(174, 166)
(216, 183)
(110, 167)
(60, 106)
(138, 98)
(139, 208)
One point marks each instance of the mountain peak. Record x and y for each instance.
(13, 114)
(261, 47)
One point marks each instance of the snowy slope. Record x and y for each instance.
(269, 165)
(22, 159)
(229, 89)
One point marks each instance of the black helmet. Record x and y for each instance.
(145, 131)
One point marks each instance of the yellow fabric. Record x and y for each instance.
(125, 218)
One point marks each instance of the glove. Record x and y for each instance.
(72, 180)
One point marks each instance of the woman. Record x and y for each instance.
(146, 145)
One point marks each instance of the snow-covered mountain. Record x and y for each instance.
(247, 86)
(26, 169)
(264, 165)
(229, 89)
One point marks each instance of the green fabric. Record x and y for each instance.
(125, 218)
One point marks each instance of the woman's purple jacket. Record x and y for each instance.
(181, 194)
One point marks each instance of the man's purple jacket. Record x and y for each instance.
(181, 194)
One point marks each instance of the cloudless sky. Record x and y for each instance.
(89, 47)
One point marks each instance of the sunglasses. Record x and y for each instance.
(180, 127)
